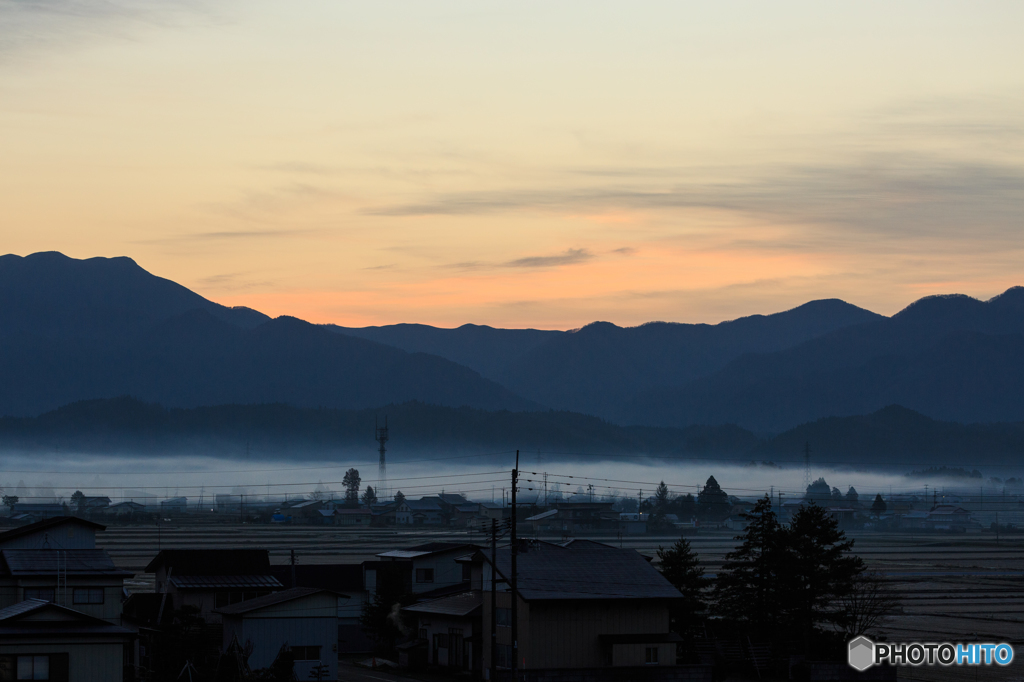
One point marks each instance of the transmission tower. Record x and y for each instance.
(807, 464)
(382, 467)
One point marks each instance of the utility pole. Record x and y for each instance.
(381, 436)
(807, 464)
(292, 561)
(515, 592)
(494, 598)
(640, 505)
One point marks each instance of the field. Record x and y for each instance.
(955, 588)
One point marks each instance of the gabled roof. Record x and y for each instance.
(543, 515)
(83, 562)
(212, 561)
(462, 604)
(12, 623)
(47, 524)
(272, 599)
(426, 504)
(549, 571)
(428, 548)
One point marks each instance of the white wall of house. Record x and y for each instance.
(88, 660)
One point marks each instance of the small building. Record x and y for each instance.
(94, 505)
(544, 522)
(128, 508)
(582, 605)
(425, 512)
(737, 522)
(450, 630)
(65, 532)
(431, 566)
(353, 517)
(342, 578)
(40, 510)
(304, 618)
(175, 505)
(40, 640)
(210, 579)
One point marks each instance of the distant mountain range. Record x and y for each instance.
(893, 438)
(73, 330)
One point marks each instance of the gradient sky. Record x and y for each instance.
(521, 163)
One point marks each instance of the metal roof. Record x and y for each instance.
(543, 515)
(212, 582)
(23, 562)
(548, 571)
(276, 598)
(456, 605)
(46, 525)
(26, 606)
(12, 626)
(427, 548)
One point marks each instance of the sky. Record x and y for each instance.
(521, 163)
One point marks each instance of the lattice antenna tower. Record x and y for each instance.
(382, 467)
(807, 464)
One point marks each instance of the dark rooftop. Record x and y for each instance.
(213, 561)
(20, 562)
(271, 599)
(12, 625)
(340, 577)
(462, 604)
(46, 524)
(549, 571)
(216, 582)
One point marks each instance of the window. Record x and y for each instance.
(503, 617)
(53, 667)
(504, 658)
(424, 575)
(651, 655)
(88, 595)
(306, 653)
(44, 593)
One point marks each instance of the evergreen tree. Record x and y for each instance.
(351, 482)
(749, 586)
(819, 492)
(78, 499)
(712, 501)
(852, 496)
(836, 495)
(878, 507)
(369, 496)
(820, 570)
(681, 567)
(399, 498)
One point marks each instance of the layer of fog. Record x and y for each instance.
(35, 478)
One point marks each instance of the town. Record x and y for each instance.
(445, 585)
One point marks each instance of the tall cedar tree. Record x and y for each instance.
(681, 567)
(399, 498)
(820, 570)
(878, 507)
(749, 588)
(369, 496)
(351, 482)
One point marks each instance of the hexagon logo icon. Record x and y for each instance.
(861, 653)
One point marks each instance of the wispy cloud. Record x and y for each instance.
(567, 257)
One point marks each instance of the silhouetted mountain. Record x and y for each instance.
(951, 357)
(73, 330)
(598, 368)
(130, 426)
(895, 437)
(485, 349)
(51, 295)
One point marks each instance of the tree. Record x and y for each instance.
(382, 616)
(399, 498)
(870, 600)
(681, 567)
(878, 507)
(369, 497)
(749, 586)
(712, 501)
(685, 506)
(351, 481)
(9, 501)
(820, 570)
(818, 492)
(836, 495)
(852, 496)
(78, 499)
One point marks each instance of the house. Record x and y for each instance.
(450, 629)
(427, 567)
(128, 508)
(56, 560)
(40, 640)
(493, 510)
(210, 579)
(353, 517)
(304, 618)
(90, 505)
(425, 512)
(304, 511)
(581, 605)
(342, 578)
(175, 505)
(948, 517)
(544, 522)
(40, 510)
(466, 514)
(582, 517)
(737, 522)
